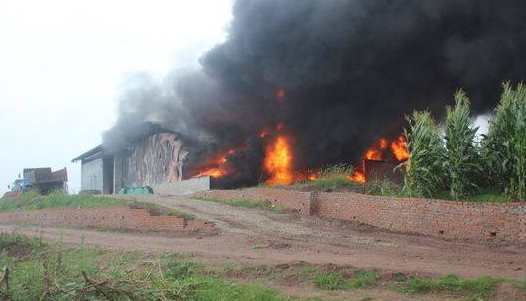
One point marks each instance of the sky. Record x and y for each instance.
(62, 64)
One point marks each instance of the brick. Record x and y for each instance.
(120, 217)
(463, 220)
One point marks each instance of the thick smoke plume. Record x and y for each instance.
(350, 70)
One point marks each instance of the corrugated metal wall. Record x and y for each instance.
(91, 175)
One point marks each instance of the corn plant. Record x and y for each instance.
(462, 165)
(424, 175)
(504, 148)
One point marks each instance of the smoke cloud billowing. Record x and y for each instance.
(350, 69)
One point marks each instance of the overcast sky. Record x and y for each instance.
(62, 62)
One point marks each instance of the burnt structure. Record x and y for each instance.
(377, 171)
(151, 161)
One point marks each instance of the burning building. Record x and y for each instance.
(298, 85)
(155, 160)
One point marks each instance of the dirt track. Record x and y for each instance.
(258, 236)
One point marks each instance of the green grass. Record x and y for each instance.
(54, 272)
(520, 284)
(335, 184)
(329, 281)
(57, 199)
(32, 201)
(332, 178)
(17, 245)
(83, 274)
(384, 188)
(257, 204)
(336, 280)
(478, 287)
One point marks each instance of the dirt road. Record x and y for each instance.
(261, 237)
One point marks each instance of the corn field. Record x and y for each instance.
(504, 147)
(455, 161)
(424, 175)
(462, 164)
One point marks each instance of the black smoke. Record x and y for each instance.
(350, 69)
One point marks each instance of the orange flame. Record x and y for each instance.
(278, 162)
(264, 133)
(215, 168)
(221, 160)
(399, 149)
(212, 172)
(382, 143)
(280, 94)
(358, 177)
(373, 154)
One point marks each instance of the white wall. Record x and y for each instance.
(91, 175)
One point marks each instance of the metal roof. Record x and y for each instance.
(92, 152)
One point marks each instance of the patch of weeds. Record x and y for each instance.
(363, 279)
(84, 273)
(185, 215)
(257, 247)
(214, 289)
(175, 266)
(251, 204)
(226, 268)
(258, 204)
(58, 199)
(20, 246)
(314, 299)
(332, 178)
(335, 280)
(329, 281)
(306, 269)
(520, 284)
(479, 287)
(260, 267)
(125, 259)
(383, 188)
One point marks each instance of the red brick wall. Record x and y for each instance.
(465, 220)
(121, 217)
(469, 220)
(289, 199)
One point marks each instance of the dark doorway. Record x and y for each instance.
(107, 174)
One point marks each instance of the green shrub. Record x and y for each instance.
(504, 147)
(462, 165)
(424, 176)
